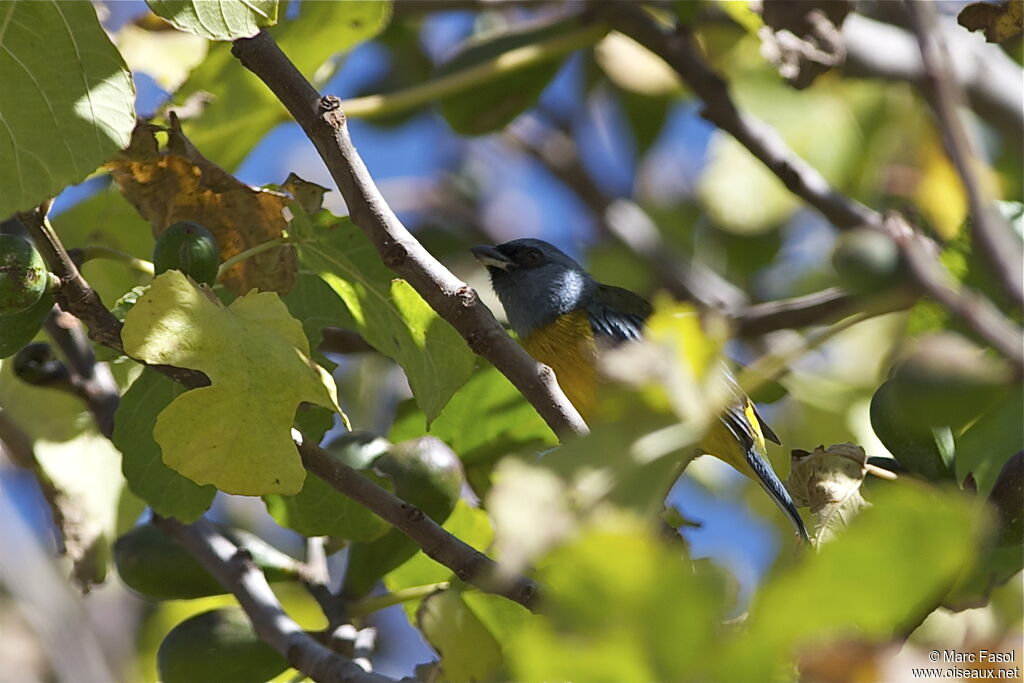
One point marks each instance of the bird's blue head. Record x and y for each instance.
(535, 281)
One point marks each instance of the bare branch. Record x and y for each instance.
(990, 232)
(235, 570)
(626, 222)
(91, 381)
(680, 51)
(466, 562)
(818, 308)
(978, 312)
(991, 79)
(325, 125)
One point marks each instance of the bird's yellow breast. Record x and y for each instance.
(567, 347)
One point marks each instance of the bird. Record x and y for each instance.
(563, 317)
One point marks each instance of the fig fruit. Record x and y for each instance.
(157, 567)
(867, 261)
(189, 247)
(23, 275)
(219, 646)
(426, 473)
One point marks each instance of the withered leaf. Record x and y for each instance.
(180, 184)
(1000, 22)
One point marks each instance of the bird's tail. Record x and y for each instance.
(768, 480)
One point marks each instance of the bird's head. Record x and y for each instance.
(535, 281)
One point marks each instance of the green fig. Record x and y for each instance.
(19, 329)
(911, 442)
(219, 646)
(867, 261)
(1006, 497)
(426, 473)
(944, 380)
(23, 275)
(190, 248)
(151, 563)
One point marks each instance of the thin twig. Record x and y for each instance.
(625, 221)
(466, 562)
(818, 308)
(990, 232)
(91, 381)
(324, 123)
(989, 76)
(680, 51)
(235, 570)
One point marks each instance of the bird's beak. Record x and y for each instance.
(491, 257)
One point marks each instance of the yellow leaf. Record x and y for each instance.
(234, 434)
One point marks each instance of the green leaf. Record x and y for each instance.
(485, 419)
(492, 106)
(622, 606)
(313, 303)
(469, 652)
(107, 219)
(234, 434)
(243, 109)
(471, 525)
(425, 473)
(219, 20)
(990, 442)
(389, 314)
(895, 559)
(319, 510)
(166, 491)
(68, 103)
(767, 203)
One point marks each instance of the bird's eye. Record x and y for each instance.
(532, 257)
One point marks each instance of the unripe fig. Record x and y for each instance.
(426, 473)
(911, 442)
(19, 329)
(944, 380)
(190, 248)
(1006, 496)
(219, 646)
(23, 275)
(154, 565)
(867, 261)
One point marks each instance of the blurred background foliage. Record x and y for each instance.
(576, 150)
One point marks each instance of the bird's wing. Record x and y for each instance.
(737, 392)
(617, 314)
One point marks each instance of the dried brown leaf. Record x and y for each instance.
(999, 22)
(180, 184)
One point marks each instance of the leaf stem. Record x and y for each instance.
(251, 251)
(96, 251)
(378, 602)
(458, 81)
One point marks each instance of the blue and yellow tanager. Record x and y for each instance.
(563, 316)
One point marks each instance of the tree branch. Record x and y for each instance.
(990, 232)
(91, 381)
(466, 562)
(828, 305)
(235, 570)
(680, 51)
(990, 77)
(626, 222)
(325, 125)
